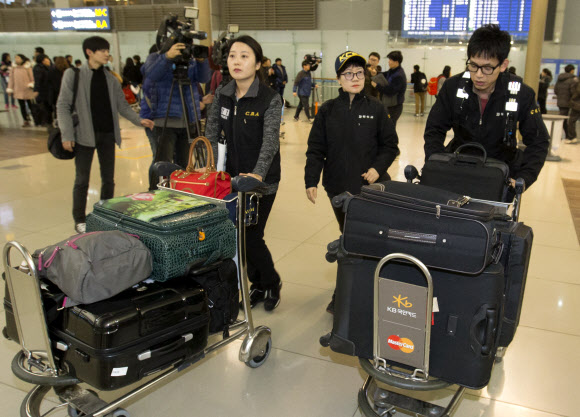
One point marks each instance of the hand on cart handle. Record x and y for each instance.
(519, 185)
(248, 183)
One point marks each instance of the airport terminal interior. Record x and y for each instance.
(538, 376)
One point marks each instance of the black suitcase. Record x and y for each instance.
(474, 175)
(443, 229)
(464, 331)
(517, 239)
(113, 343)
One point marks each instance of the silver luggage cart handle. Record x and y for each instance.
(419, 374)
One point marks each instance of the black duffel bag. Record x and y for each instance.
(466, 173)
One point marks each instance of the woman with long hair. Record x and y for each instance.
(21, 85)
(248, 113)
(4, 77)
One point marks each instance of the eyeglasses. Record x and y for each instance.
(485, 70)
(349, 76)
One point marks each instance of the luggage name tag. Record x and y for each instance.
(119, 371)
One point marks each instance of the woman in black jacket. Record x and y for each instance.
(247, 113)
(352, 141)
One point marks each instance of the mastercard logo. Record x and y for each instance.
(401, 343)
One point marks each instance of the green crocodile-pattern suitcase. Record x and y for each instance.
(181, 231)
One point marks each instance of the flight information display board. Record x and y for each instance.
(456, 18)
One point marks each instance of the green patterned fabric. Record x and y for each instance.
(179, 230)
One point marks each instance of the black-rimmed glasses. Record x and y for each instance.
(349, 76)
(485, 70)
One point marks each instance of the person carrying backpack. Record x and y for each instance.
(419, 81)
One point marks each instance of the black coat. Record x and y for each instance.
(346, 140)
(41, 82)
(489, 128)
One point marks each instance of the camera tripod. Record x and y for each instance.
(180, 80)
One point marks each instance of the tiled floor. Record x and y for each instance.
(536, 379)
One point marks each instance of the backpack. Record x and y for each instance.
(94, 266)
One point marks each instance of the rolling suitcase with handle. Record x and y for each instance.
(464, 324)
(181, 231)
(116, 342)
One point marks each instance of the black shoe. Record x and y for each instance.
(330, 306)
(272, 299)
(257, 295)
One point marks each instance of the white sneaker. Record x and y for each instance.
(311, 120)
(416, 114)
(571, 141)
(81, 228)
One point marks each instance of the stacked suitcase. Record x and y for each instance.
(477, 258)
(161, 322)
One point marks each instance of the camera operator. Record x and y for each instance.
(159, 69)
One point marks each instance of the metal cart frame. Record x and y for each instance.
(36, 364)
(376, 402)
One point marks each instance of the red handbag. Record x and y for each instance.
(211, 183)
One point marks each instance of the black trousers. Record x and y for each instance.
(261, 269)
(395, 113)
(105, 146)
(173, 146)
(338, 213)
(23, 111)
(564, 111)
(542, 104)
(303, 104)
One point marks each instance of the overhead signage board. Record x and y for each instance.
(458, 18)
(81, 18)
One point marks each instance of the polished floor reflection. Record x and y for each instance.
(538, 377)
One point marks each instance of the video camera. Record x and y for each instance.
(172, 31)
(220, 50)
(313, 60)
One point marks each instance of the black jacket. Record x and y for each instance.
(41, 82)
(418, 85)
(281, 75)
(397, 84)
(251, 126)
(346, 140)
(489, 128)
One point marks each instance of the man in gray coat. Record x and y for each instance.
(99, 101)
(564, 89)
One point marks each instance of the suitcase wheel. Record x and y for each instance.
(261, 356)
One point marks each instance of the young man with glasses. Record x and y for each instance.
(352, 141)
(484, 104)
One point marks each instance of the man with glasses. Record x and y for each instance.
(484, 104)
(352, 139)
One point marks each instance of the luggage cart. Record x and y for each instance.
(377, 402)
(36, 364)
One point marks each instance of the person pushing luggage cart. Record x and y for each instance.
(352, 141)
(485, 104)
